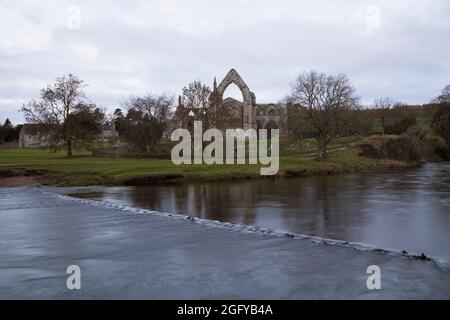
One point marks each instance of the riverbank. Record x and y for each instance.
(127, 253)
(34, 166)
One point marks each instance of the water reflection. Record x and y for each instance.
(407, 210)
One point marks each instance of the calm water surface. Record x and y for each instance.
(407, 210)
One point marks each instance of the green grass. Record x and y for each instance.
(346, 140)
(307, 143)
(377, 128)
(84, 169)
(424, 122)
(312, 143)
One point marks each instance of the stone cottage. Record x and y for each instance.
(31, 137)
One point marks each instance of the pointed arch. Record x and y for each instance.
(249, 101)
(232, 77)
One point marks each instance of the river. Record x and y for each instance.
(404, 210)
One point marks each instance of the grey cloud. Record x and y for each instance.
(133, 47)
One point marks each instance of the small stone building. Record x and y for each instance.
(109, 133)
(30, 136)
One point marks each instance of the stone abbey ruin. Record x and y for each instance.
(246, 114)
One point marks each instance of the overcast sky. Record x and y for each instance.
(396, 48)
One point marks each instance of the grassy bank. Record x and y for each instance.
(53, 168)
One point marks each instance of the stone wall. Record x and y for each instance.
(30, 137)
(272, 116)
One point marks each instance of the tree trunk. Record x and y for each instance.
(69, 149)
(322, 144)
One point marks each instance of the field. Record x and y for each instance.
(53, 168)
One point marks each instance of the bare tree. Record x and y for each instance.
(198, 100)
(157, 106)
(382, 109)
(147, 119)
(325, 98)
(55, 112)
(444, 97)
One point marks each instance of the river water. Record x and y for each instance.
(404, 210)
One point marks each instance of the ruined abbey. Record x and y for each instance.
(246, 114)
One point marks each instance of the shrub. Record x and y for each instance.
(443, 152)
(401, 126)
(414, 145)
(441, 122)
